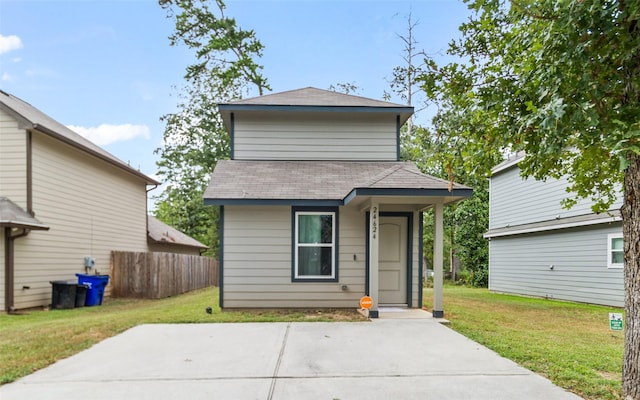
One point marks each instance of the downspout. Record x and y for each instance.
(10, 237)
(9, 266)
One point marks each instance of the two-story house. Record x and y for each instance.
(317, 209)
(66, 203)
(537, 248)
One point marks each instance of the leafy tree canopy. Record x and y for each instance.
(195, 137)
(557, 79)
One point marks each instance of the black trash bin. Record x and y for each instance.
(63, 294)
(81, 295)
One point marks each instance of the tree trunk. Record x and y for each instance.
(631, 231)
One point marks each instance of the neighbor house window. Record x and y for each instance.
(615, 251)
(314, 244)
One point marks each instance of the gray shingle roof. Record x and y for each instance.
(314, 180)
(311, 96)
(313, 100)
(512, 159)
(12, 215)
(30, 117)
(162, 233)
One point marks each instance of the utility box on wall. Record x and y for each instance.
(89, 262)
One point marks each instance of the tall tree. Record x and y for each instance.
(561, 81)
(466, 222)
(195, 137)
(405, 85)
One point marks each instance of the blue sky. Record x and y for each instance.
(106, 69)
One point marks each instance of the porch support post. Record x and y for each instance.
(438, 245)
(374, 236)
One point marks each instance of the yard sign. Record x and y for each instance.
(615, 321)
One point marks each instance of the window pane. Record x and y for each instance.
(314, 261)
(617, 257)
(617, 243)
(315, 228)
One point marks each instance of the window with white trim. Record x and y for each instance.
(615, 251)
(315, 245)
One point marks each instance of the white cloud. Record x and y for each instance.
(6, 77)
(9, 43)
(107, 134)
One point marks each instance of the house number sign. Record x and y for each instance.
(374, 222)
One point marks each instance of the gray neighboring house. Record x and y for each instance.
(316, 208)
(537, 248)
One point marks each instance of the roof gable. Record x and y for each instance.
(30, 117)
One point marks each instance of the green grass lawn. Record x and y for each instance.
(36, 339)
(569, 343)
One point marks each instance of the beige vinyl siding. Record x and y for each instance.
(92, 208)
(257, 261)
(522, 264)
(13, 160)
(320, 136)
(516, 201)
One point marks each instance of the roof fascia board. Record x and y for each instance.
(292, 108)
(459, 193)
(466, 192)
(560, 225)
(25, 225)
(272, 202)
(507, 164)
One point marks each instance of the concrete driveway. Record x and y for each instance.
(383, 359)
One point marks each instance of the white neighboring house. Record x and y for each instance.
(317, 209)
(537, 248)
(62, 198)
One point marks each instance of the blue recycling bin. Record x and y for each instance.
(95, 288)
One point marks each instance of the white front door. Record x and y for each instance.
(393, 260)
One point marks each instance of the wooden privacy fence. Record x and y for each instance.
(159, 275)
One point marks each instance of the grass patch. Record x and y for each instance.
(36, 339)
(569, 343)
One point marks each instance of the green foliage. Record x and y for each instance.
(557, 79)
(471, 221)
(465, 222)
(222, 49)
(195, 137)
